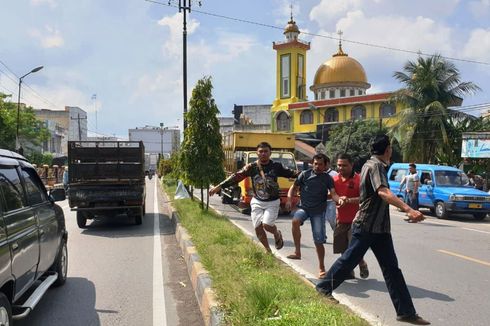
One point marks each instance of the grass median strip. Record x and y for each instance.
(253, 287)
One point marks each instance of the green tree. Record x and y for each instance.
(361, 134)
(431, 85)
(31, 129)
(202, 156)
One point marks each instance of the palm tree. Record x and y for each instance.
(431, 86)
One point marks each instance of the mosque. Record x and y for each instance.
(339, 89)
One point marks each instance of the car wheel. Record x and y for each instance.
(138, 218)
(5, 310)
(81, 220)
(225, 199)
(60, 265)
(479, 216)
(440, 210)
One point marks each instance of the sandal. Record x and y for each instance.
(294, 256)
(364, 271)
(322, 275)
(279, 241)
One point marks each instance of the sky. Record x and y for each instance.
(129, 52)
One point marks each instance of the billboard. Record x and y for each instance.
(476, 145)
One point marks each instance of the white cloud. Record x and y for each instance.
(479, 8)
(332, 8)
(51, 3)
(173, 46)
(478, 45)
(49, 38)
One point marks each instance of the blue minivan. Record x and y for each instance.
(443, 189)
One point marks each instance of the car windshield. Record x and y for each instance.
(451, 178)
(286, 159)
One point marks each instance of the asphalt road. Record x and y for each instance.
(121, 274)
(446, 264)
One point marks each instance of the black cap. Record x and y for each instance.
(379, 144)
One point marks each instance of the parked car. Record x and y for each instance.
(444, 190)
(33, 238)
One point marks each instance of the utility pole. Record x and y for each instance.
(79, 128)
(185, 5)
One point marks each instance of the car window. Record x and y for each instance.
(35, 192)
(397, 174)
(11, 188)
(451, 178)
(425, 177)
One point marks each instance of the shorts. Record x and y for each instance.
(331, 213)
(264, 211)
(317, 222)
(341, 237)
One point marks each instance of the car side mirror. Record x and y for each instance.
(57, 194)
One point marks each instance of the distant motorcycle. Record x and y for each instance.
(150, 176)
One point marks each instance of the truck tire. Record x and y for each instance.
(5, 310)
(138, 218)
(440, 210)
(60, 265)
(479, 216)
(81, 220)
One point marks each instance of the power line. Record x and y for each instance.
(384, 47)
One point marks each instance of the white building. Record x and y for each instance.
(157, 140)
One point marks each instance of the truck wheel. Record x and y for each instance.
(138, 218)
(479, 216)
(5, 310)
(440, 210)
(81, 220)
(60, 265)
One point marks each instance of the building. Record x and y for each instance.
(157, 140)
(339, 88)
(253, 117)
(70, 124)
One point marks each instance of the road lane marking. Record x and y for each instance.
(465, 257)
(159, 312)
(476, 230)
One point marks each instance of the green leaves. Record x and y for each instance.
(201, 158)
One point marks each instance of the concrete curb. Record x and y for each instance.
(200, 279)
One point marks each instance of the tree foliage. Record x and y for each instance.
(361, 134)
(31, 129)
(201, 158)
(431, 85)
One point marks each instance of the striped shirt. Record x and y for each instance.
(374, 214)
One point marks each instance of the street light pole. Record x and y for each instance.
(17, 143)
(161, 138)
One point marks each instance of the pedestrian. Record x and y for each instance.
(412, 186)
(331, 211)
(265, 202)
(314, 186)
(371, 229)
(347, 184)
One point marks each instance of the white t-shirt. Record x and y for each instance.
(410, 181)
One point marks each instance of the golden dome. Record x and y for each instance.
(341, 69)
(291, 27)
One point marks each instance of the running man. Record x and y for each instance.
(265, 202)
(347, 184)
(314, 185)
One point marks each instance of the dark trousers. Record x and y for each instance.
(382, 246)
(411, 200)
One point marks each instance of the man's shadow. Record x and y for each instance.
(358, 288)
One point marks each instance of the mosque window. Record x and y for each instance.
(306, 117)
(358, 113)
(285, 72)
(387, 110)
(282, 122)
(359, 92)
(332, 93)
(331, 115)
(352, 92)
(322, 96)
(316, 96)
(301, 66)
(342, 93)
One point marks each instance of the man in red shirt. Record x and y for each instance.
(346, 185)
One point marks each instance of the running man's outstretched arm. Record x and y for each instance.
(232, 179)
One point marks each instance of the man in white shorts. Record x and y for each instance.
(265, 203)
